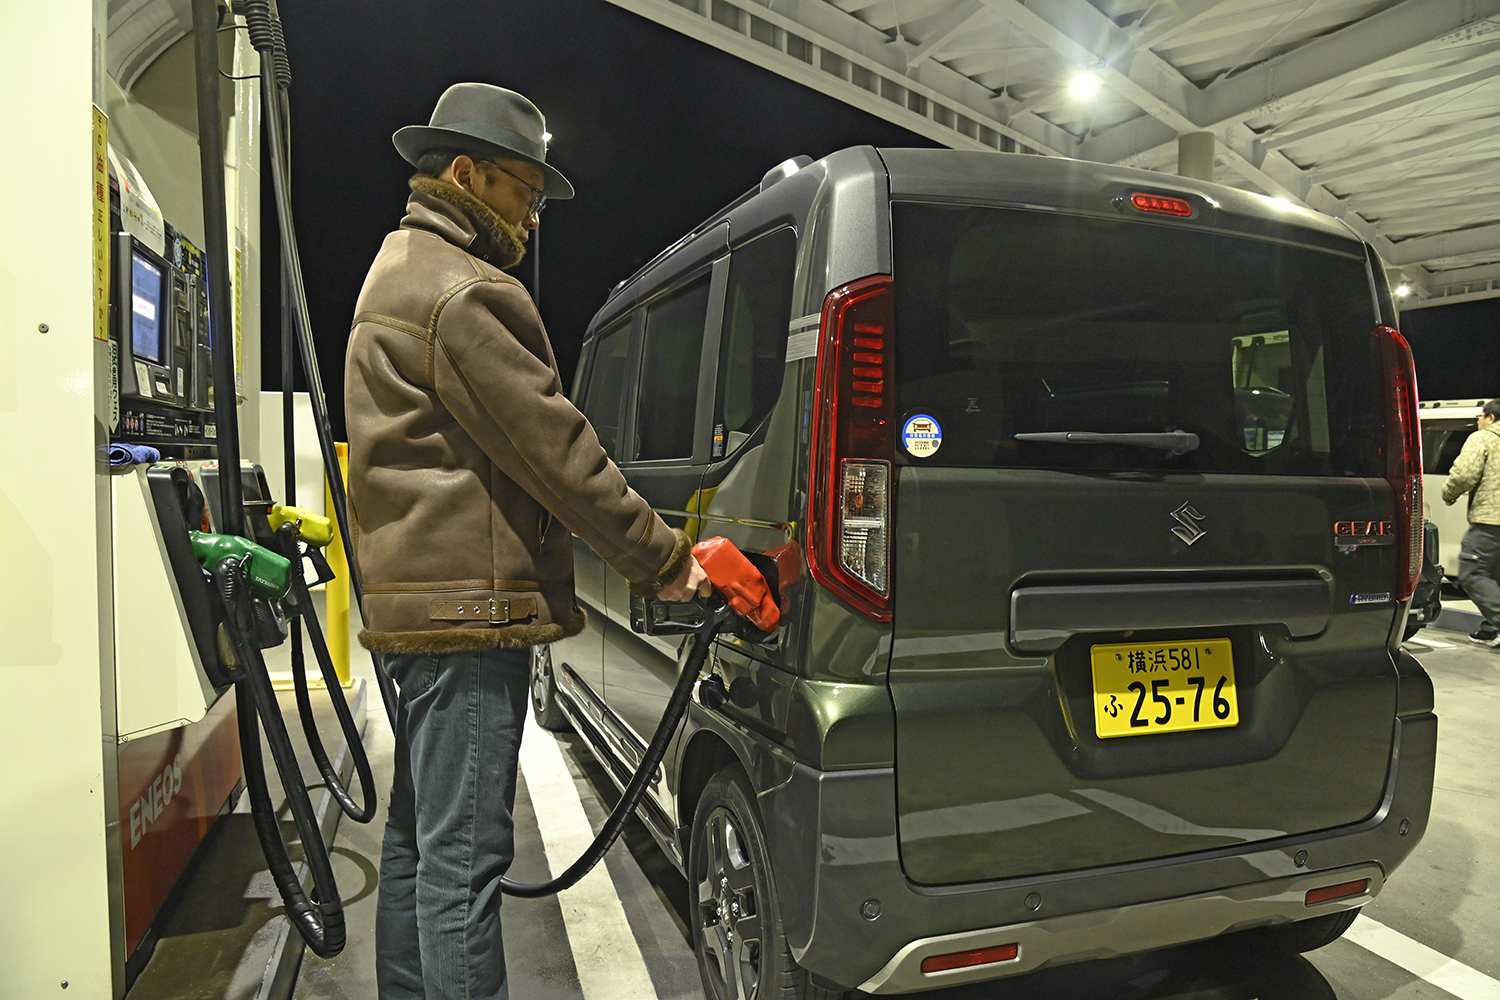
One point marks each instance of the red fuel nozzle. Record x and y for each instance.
(739, 581)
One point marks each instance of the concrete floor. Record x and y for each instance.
(1444, 898)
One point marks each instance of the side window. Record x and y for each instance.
(753, 359)
(1450, 443)
(669, 373)
(603, 397)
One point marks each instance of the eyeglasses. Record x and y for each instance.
(538, 199)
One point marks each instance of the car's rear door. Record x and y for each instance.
(1143, 582)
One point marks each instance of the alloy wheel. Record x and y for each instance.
(728, 909)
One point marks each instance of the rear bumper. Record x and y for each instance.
(1106, 933)
(833, 843)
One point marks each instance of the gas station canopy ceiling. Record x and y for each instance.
(1384, 113)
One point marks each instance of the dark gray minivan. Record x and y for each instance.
(1095, 498)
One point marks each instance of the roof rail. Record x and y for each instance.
(779, 172)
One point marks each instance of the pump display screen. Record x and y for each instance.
(146, 318)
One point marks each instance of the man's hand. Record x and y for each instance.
(691, 582)
(1450, 503)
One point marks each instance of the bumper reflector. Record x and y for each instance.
(1341, 891)
(964, 959)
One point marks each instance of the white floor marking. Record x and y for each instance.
(1436, 643)
(1445, 973)
(610, 966)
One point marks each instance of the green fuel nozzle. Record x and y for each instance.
(268, 574)
(314, 529)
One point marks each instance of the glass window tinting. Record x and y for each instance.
(602, 398)
(1441, 445)
(1013, 322)
(669, 374)
(756, 312)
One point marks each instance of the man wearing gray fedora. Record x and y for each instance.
(468, 469)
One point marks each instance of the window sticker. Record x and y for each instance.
(922, 436)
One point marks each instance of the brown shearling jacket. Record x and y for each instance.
(468, 466)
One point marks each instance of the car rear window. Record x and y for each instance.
(1011, 322)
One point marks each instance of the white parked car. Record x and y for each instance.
(1446, 425)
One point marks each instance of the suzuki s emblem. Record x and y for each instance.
(1188, 520)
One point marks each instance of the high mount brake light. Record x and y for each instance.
(852, 484)
(1161, 204)
(1403, 455)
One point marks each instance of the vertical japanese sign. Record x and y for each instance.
(101, 225)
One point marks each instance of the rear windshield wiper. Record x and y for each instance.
(1177, 442)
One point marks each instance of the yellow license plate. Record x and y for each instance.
(1163, 687)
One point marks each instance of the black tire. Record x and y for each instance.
(1310, 935)
(544, 700)
(735, 915)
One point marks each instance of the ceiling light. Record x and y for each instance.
(1085, 84)
(1282, 203)
(1403, 290)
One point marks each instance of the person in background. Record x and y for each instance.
(468, 470)
(1476, 472)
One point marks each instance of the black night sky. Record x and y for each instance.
(655, 130)
(1457, 349)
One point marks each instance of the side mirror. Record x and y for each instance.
(652, 617)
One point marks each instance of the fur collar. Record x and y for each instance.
(494, 241)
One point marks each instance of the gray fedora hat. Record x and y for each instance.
(485, 119)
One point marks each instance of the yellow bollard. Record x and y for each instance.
(338, 587)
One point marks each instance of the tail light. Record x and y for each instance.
(1403, 456)
(852, 481)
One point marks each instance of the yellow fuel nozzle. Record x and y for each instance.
(314, 529)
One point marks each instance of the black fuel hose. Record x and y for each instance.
(302, 601)
(287, 536)
(718, 613)
(319, 920)
(265, 33)
(216, 244)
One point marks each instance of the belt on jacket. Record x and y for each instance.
(495, 611)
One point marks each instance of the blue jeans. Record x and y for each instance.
(449, 833)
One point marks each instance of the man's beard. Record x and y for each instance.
(497, 241)
(509, 250)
